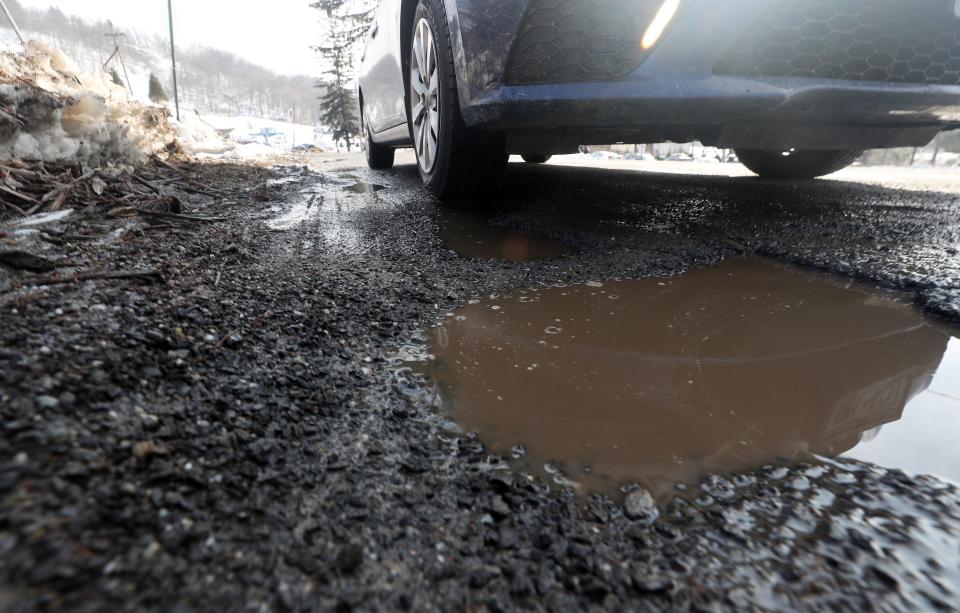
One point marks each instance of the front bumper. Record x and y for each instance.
(675, 94)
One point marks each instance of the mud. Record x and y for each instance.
(718, 370)
(472, 235)
(362, 187)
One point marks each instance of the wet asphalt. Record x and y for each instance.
(247, 435)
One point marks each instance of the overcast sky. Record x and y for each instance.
(275, 33)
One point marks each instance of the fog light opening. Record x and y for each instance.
(659, 24)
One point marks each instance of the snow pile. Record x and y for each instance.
(280, 136)
(51, 112)
(199, 137)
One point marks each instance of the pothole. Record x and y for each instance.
(722, 369)
(362, 187)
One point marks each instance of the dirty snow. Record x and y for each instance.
(53, 112)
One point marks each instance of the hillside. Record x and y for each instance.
(211, 81)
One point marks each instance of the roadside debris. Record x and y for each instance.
(69, 209)
(37, 187)
(79, 159)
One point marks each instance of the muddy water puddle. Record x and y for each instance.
(362, 187)
(722, 369)
(473, 236)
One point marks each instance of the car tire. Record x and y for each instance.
(379, 157)
(464, 163)
(536, 158)
(800, 164)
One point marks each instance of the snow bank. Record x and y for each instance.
(252, 151)
(281, 136)
(199, 137)
(50, 111)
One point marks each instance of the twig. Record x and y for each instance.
(224, 339)
(202, 192)
(145, 275)
(15, 193)
(178, 216)
(61, 198)
(143, 181)
(14, 207)
(165, 164)
(205, 187)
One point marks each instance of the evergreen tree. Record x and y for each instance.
(338, 105)
(115, 77)
(351, 18)
(347, 22)
(156, 93)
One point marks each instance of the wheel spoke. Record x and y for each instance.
(418, 53)
(432, 145)
(431, 61)
(423, 137)
(416, 86)
(435, 123)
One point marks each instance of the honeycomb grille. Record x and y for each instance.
(579, 40)
(890, 41)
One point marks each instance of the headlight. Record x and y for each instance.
(659, 24)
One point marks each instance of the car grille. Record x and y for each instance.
(579, 40)
(890, 41)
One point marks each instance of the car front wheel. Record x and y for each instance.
(796, 163)
(454, 161)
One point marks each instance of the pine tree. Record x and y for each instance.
(115, 77)
(338, 105)
(157, 93)
(350, 19)
(347, 22)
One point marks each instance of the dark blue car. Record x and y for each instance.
(797, 87)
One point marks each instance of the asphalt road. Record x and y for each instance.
(246, 435)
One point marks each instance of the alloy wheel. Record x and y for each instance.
(425, 96)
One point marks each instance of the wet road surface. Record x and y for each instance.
(256, 432)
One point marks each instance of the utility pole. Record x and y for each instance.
(13, 23)
(173, 60)
(116, 36)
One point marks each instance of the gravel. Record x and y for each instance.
(242, 433)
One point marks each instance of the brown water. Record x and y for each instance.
(721, 369)
(362, 187)
(472, 236)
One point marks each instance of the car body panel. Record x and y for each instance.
(674, 94)
(383, 84)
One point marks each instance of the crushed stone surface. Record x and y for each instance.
(239, 433)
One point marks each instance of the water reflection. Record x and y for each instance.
(721, 369)
(925, 439)
(362, 187)
(473, 236)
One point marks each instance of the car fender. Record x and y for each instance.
(482, 33)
